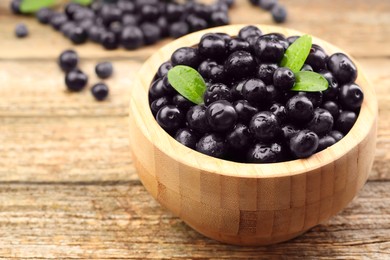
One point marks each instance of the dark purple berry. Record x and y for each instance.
(249, 31)
(337, 135)
(351, 96)
(299, 109)
(237, 44)
(44, 15)
(317, 58)
(211, 71)
(255, 91)
(181, 102)
(186, 137)
(213, 145)
(132, 37)
(178, 29)
(322, 122)
(186, 56)
(245, 111)
(100, 91)
(104, 70)
(157, 104)
(333, 108)
(221, 115)
(266, 71)
(265, 153)
(279, 111)
(164, 68)
(196, 119)
(342, 68)
(239, 137)
(345, 121)
(170, 118)
(212, 46)
(279, 13)
(68, 60)
(215, 92)
(269, 50)
(76, 80)
(240, 64)
(265, 126)
(284, 78)
(304, 144)
(325, 142)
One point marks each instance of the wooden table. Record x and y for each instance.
(68, 188)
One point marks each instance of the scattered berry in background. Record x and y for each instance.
(68, 60)
(76, 80)
(100, 91)
(104, 70)
(133, 24)
(21, 30)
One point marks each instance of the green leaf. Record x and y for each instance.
(188, 82)
(309, 81)
(31, 6)
(297, 53)
(83, 2)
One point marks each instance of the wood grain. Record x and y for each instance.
(42, 219)
(122, 222)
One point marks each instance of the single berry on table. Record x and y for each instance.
(279, 13)
(104, 70)
(68, 60)
(76, 80)
(21, 30)
(100, 91)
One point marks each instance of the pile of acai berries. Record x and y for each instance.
(134, 23)
(250, 112)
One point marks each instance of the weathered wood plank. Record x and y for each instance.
(93, 149)
(123, 221)
(362, 28)
(65, 150)
(37, 88)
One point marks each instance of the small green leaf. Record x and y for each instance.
(296, 54)
(31, 6)
(309, 81)
(83, 2)
(188, 82)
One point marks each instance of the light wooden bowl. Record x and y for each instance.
(248, 204)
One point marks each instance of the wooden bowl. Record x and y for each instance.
(248, 204)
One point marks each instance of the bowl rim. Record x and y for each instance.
(162, 140)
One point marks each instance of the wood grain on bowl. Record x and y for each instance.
(248, 204)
